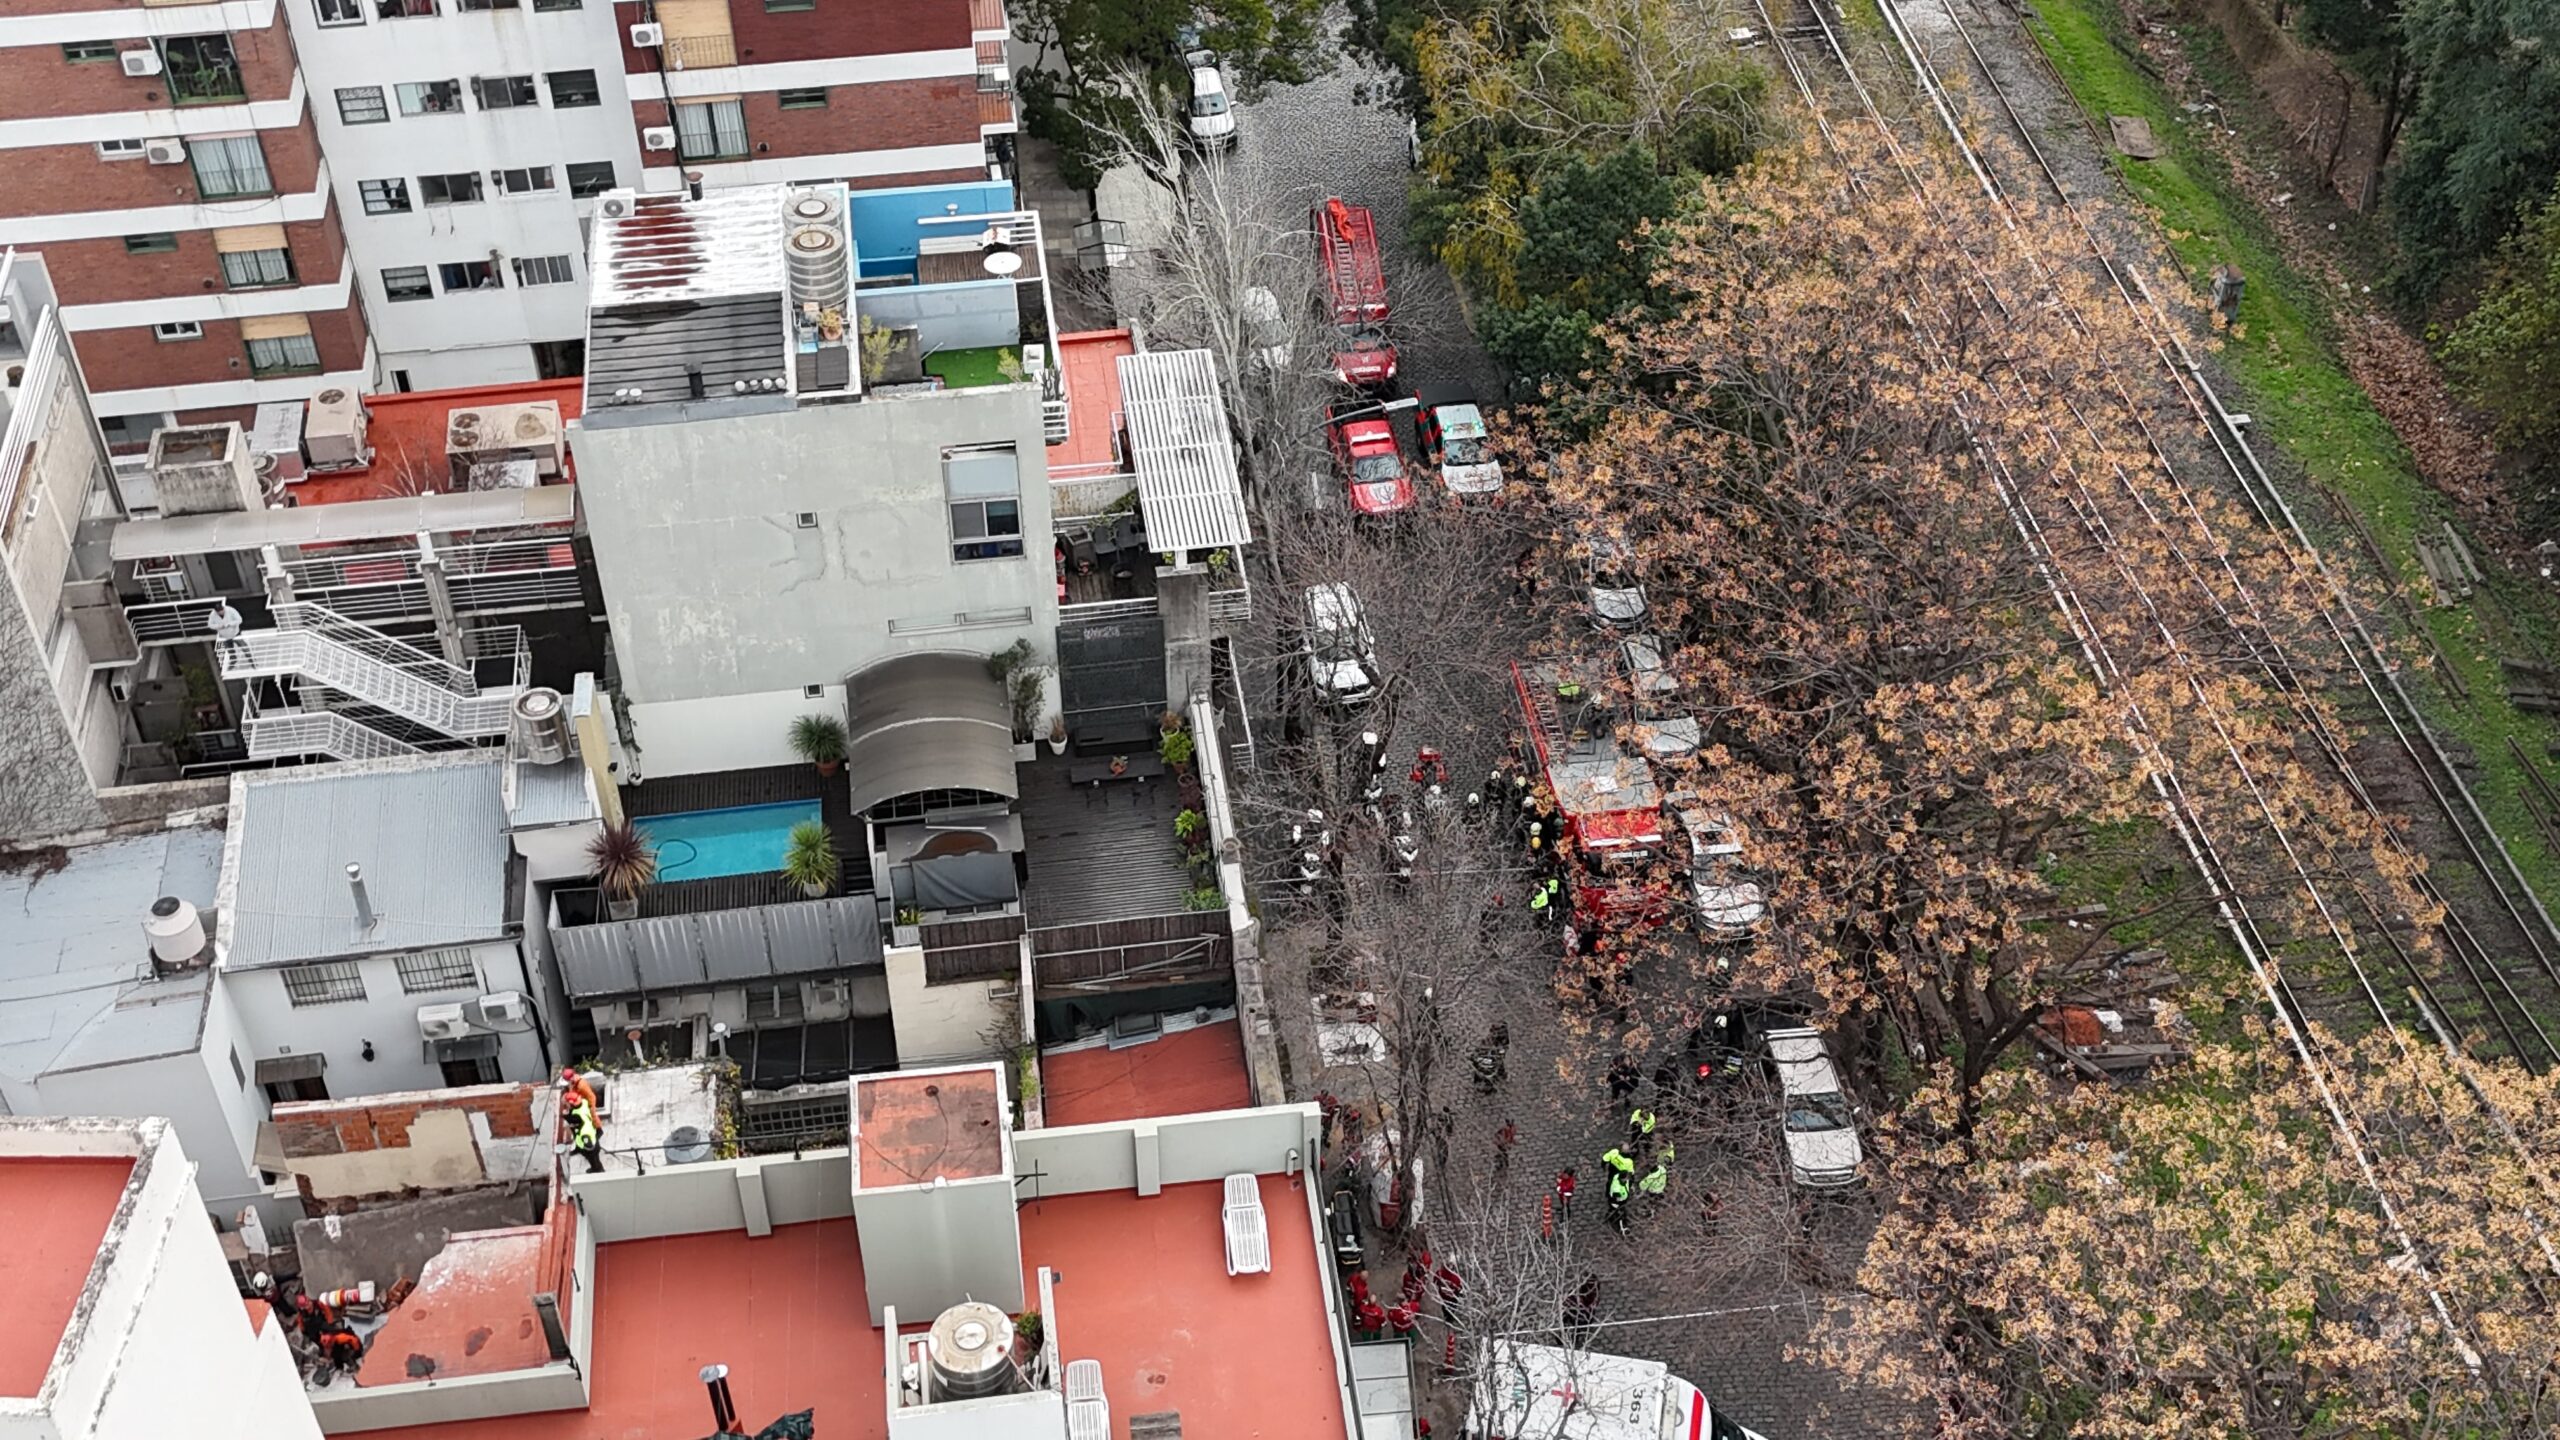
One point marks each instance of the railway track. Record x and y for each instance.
(1813, 44)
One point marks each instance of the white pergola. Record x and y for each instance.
(1179, 447)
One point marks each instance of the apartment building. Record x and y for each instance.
(164, 158)
(467, 141)
(875, 93)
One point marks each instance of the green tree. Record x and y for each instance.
(2506, 353)
(1075, 93)
(2484, 135)
(1586, 254)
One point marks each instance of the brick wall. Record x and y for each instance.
(890, 116)
(132, 357)
(91, 272)
(71, 179)
(847, 27)
(35, 80)
(381, 1122)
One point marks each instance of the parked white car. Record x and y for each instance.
(1664, 733)
(1213, 111)
(1617, 597)
(1266, 332)
(1730, 904)
(1341, 657)
(1821, 1131)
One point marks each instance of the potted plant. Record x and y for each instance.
(1057, 734)
(809, 860)
(1192, 829)
(1174, 748)
(819, 739)
(910, 926)
(625, 864)
(1218, 561)
(831, 324)
(1207, 897)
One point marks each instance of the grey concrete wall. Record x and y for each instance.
(48, 792)
(755, 1194)
(1147, 1155)
(926, 1248)
(433, 1402)
(948, 317)
(713, 588)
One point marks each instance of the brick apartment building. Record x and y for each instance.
(260, 199)
(163, 160)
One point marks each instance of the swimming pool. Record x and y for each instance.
(745, 840)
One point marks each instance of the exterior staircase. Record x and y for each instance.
(317, 646)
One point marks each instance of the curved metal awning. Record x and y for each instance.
(927, 722)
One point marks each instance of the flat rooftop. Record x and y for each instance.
(1183, 1072)
(407, 433)
(472, 1313)
(76, 985)
(55, 1212)
(1091, 360)
(1146, 1293)
(938, 1125)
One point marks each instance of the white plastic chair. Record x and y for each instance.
(1248, 1242)
(1084, 1380)
(1243, 1190)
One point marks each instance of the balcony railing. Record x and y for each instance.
(701, 52)
(171, 622)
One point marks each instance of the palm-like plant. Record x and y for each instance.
(820, 740)
(809, 860)
(625, 862)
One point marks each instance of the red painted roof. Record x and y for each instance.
(1180, 1074)
(407, 436)
(1091, 362)
(939, 1125)
(55, 1213)
(472, 1313)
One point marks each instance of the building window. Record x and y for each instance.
(984, 489)
(469, 275)
(285, 355)
(339, 12)
(573, 89)
(202, 70)
(229, 165)
(384, 197)
(504, 92)
(465, 6)
(406, 9)
(239, 1072)
(159, 242)
(133, 429)
(431, 97)
(711, 130)
(331, 982)
(542, 5)
(89, 52)
(178, 330)
(119, 149)
(407, 282)
(433, 970)
(363, 105)
(256, 269)
(774, 1003)
(544, 270)
(773, 6)
(528, 181)
(814, 98)
(460, 188)
(590, 177)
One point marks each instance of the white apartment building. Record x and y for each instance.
(466, 146)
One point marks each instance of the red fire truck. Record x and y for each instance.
(1356, 282)
(1604, 792)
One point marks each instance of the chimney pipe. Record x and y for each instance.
(364, 903)
(724, 1410)
(693, 184)
(693, 380)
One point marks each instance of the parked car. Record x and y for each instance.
(1664, 733)
(1341, 658)
(1372, 463)
(1213, 113)
(1266, 331)
(1730, 902)
(1608, 570)
(1821, 1131)
(1455, 442)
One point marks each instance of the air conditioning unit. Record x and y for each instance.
(826, 995)
(506, 1010)
(616, 204)
(333, 429)
(658, 137)
(164, 152)
(139, 63)
(442, 1022)
(120, 687)
(648, 37)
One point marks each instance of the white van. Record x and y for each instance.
(1821, 1133)
(1545, 1392)
(1213, 112)
(1341, 658)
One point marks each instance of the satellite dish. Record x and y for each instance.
(1001, 260)
(687, 1145)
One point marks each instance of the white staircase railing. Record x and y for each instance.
(284, 734)
(355, 659)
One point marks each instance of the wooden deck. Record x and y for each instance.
(1099, 852)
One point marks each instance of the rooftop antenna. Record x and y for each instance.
(364, 903)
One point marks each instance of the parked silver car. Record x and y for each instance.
(1823, 1152)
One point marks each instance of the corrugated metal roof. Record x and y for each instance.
(431, 835)
(1181, 451)
(76, 986)
(554, 794)
(674, 247)
(728, 947)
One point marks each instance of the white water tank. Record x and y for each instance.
(971, 1346)
(175, 930)
(819, 275)
(538, 725)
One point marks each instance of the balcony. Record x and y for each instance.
(700, 52)
(203, 71)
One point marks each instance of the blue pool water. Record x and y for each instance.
(746, 840)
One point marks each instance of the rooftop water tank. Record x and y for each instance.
(819, 275)
(538, 726)
(175, 929)
(971, 1346)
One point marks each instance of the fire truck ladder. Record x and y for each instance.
(1347, 289)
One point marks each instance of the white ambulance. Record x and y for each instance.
(1545, 1392)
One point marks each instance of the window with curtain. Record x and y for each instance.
(984, 488)
(229, 165)
(283, 355)
(711, 130)
(251, 269)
